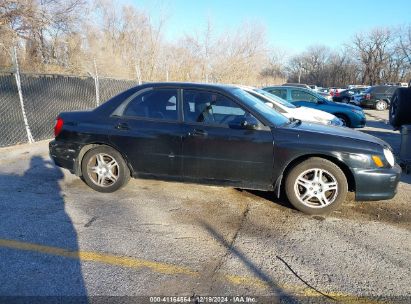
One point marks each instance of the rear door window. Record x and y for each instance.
(298, 95)
(282, 93)
(155, 104)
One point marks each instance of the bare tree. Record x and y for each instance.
(373, 51)
(405, 43)
(69, 36)
(39, 27)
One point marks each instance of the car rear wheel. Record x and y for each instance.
(316, 186)
(345, 100)
(104, 169)
(381, 105)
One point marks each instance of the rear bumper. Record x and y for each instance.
(64, 154)
(376, 184)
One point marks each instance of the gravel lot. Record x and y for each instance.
(59, 237)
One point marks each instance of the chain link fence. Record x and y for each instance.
(12, 130)
(44, 97)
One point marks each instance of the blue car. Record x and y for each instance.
(351, 116)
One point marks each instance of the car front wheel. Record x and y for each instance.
(104, 169)
(316, 186)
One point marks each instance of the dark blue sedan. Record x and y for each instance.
(352, 116)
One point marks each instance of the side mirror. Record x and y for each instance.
(248, 123)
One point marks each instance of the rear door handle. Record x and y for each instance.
(122, 126)
(197, 132)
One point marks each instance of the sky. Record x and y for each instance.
(291, 25)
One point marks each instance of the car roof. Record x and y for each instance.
(287, 87)
(215, 86)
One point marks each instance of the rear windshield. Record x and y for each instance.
(276, 98)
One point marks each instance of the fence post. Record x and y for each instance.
(96, 83)
(20, 92)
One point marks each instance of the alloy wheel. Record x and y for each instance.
(316, 188)
(103, 170)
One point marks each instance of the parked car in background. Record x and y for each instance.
(313, 87)
(356, 86)
(291, 111)
(346, 96)
(351, 116)
(326, 95)
(335, 91)
(221, 135)
(377, 97)
(324, 90)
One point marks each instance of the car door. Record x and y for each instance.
(280, 92)
(304, 99)
(217, 148)
(148, 131)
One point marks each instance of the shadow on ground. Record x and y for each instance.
(281, 296)
(379, 125)
(33, 214)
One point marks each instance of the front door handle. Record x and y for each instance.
(198, 132)
(122, 126)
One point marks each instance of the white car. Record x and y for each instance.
(291, 111)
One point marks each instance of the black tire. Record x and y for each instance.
(400, 107)
(346, 121)
(112, 177)
(345, 100)
(381, 105)
(330, 170)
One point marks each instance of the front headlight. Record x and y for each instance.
(336, 122)
(389, 157)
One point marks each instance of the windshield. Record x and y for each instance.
(276, 98)
(253, 102)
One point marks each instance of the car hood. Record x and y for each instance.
(341, 132)
(305, 113)
(344, 105)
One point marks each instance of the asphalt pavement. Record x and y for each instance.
(58, 237)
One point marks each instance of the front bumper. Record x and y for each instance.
(358, 121)
(64, 154)
(376, 184)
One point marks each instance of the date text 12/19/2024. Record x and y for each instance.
(204, 299)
